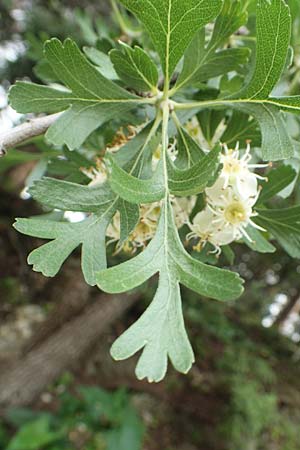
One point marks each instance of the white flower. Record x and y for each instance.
(182, 208)
(225, 220)
(236, 171)
(233, 213)
(144, 231)
(230, 202)
(149, 217)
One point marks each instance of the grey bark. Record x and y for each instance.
(22, 383)
(21, 133)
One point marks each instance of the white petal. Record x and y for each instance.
(203, 222)
(216, 193)
(224, 237)
(247, 186)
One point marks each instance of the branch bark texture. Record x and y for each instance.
(21, 384)
(21, 133)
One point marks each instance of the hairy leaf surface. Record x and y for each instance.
(160, 330)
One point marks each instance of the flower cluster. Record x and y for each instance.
(149, 213)
(227, 215)
(147, 225)
(230, 201)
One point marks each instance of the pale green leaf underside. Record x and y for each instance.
(259, 242)
(133, 189)
(70, 196)
(90, 233)
(100, 200)
(276, 143)
(160, 327)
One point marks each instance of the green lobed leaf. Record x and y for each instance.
(284, 225)
(276, 142)
(273, 31)
(172, 24)
(259, 242)
(101, 201)
(68, 196)
(273, 39)
(202, 63)
(133, 189)
(160, 331)
(66, 237)
(189, 152)
(135, 68)
(90, 99)
(278, 179)
(194, 180)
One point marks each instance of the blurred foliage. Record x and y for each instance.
(86, 418)
(243, 365)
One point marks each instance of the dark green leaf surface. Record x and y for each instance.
(135, 68)
(202, 63)
(284, 225)
(273, 30)
(172, 24)
(130, 215)
(278, 179)
(195, 179)
(189, 152)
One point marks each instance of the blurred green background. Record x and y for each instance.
(243, 392)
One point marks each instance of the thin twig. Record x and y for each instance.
(21, 133)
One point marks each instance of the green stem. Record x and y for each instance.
(165, 144)
(204, 104)
(228, 102)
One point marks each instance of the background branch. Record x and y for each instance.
(21, 133)
(23, 382)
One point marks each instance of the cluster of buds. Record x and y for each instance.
(147, 225)
(230, 202)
